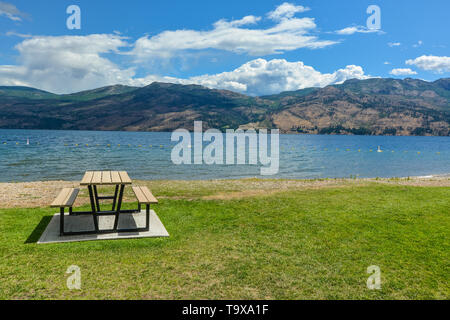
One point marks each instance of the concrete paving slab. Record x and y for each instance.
(86, 223)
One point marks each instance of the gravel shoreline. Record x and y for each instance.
(42, 193)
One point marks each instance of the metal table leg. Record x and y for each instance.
(119, 205)
(61, 221)
(147, 217)
(97, 202)
(94, 211)
(115, 198)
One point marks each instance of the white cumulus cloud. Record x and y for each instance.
(402, 72)
(66, 63)
(288, 33)
(260, 77)
(431, 63)
(286, 10)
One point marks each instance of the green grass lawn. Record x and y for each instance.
(308, 244)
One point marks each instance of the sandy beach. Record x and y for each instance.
(42, 193)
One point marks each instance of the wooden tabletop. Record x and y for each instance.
(105, 178)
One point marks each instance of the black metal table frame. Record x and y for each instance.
(96, 212)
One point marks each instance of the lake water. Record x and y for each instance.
(66, 155)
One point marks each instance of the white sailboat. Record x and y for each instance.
(379, 149)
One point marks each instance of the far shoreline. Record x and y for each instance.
(283, 133)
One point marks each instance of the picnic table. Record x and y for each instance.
(94, 179)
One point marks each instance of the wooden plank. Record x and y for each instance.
(115, 177)
(150, 197)
(97, 177)
(124, 177)
(139, 195)
(87, 178)
(106, 177)
(71, 197)
(62, 196)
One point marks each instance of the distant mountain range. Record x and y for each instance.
(374, 107)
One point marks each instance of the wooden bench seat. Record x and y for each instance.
(65, 198)
(144, 195)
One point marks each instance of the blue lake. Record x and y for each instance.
(65, 155)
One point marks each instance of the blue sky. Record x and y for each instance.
(253, 47)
